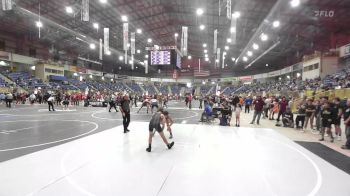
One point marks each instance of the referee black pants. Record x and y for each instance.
(126, 120)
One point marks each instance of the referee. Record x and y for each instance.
(125, 110)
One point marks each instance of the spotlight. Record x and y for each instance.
(92, 46)
(124, 18)
(205, 51)
(189, 57)
(233, 30)
(121, 58)
(199, 11)
(229, 40)
(245, 59)
(146, 56)
(69, 9)
(95, 25)
(255, 46)
(206, 59)
(264, 37)
(176, 35)
(206, 55)
(276, 23)
(39, 24)
(108, 53)
(149, 40)
(201, 27)
(250, 53)
(204, 45)
(227, 48)
(233, 58)
(236, 14)
(103, 1)
(138, 51)
(267, 65)
(295, 3)
(139, 31)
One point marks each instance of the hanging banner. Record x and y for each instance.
(184, 38)
(223, 60)
(6, 5)
(215, 40)
(219, 7)
(146, 66)
(85, 11)
(233, 29)
(126, 57)
(101, 47)
(132, 43)
(228, 6)
(199, 65)
(106, 40)
(125, 35)
(217, 62)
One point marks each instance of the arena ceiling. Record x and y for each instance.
(301, 30)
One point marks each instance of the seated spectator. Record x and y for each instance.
(287, 120)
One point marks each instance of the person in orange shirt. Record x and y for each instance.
(241, 101)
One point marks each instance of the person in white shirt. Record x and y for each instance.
(238, 114)
(50, 102)
(154, 103)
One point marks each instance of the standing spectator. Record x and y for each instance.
(287, 120)
(238, 114)
(347, 125)
(50, 102)
(125, 110)
(310, 112)
(247, 104)
(282, 108)
(201, 102)
(9, 99)
(337, 114)
(259, 105)
(327, 119)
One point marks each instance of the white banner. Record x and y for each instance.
(101, 46)
(106, 40)
(223, 61)
(146, 66)
(132, 43)
(85, 10)
(184, 38)
(233, 29)
(132, 62)
(125, 35)
(215, 40)
(217, 62)
(228, 6)
(6, 5)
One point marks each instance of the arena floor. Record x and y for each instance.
(83, 151)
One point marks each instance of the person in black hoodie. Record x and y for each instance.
(327, 119)
(287, 120)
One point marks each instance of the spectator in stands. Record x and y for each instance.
(347, 125)
(259, 105)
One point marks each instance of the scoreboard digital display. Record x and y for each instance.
(161, 57)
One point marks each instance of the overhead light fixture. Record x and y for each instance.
(217, 60)
(103, 78)
(139, 31)
(124, 18)
(206, 55)
(255, 46)
(138, 51)
(295, 3)
(69, 9)
(95, 25)
(233, 58)
(176, 34)
(201, 27)
(245, 59)
(128, 45)
(121, 58)
(205, 51)
(199, 11)
(189, 57)
(206, 59)
(204, 45)
(229, 40)
(224, 53)
(149, 40)
(185, 49)
(250, 53)
(130, 62)
(233, 30)
(92, 46)
(156, 47)
(267, 65)
(39, 24)
(276, 23)
(227, 48)
(111, 79)
(103, 1)
(146, 56)
(263, 37)
(90, 76)
(236, 14)
(108, 53)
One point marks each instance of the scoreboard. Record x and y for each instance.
(161, 57)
